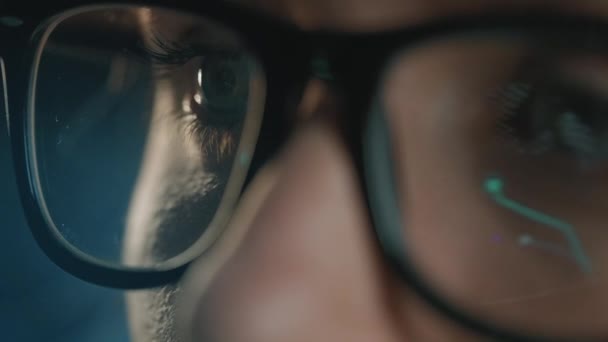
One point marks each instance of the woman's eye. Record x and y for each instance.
(210, 84)
(221, 90)
(213, 90)
(217, 102)
(556, 115)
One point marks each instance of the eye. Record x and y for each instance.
(214, 89)
(222, 86)
(556, 114)
(212, 82)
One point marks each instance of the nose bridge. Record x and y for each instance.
(320, 99)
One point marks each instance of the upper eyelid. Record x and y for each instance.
(175, 52)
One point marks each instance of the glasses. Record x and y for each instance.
(481, 144)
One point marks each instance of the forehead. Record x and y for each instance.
(382, 14)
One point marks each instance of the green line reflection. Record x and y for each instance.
(494, 187)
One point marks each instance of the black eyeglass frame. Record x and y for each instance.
(286, 54)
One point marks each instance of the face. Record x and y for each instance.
(277, 275)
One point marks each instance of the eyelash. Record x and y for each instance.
(172, 53)
(213, 141)
(165, 54)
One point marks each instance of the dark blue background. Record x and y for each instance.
(38, 301)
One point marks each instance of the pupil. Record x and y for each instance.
(223, 81)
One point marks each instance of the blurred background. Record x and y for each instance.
(38, 301)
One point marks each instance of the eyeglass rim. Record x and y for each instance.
(70, 259)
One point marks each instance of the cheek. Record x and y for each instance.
(175, 197)
(161, 222)
(152, 315)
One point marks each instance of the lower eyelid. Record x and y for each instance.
(217, 142)
(213, 141)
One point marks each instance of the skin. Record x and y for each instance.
(298, 261)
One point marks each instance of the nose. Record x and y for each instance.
(297, 261)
